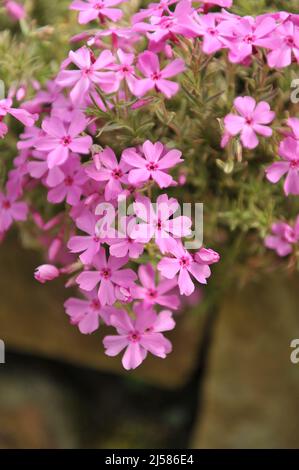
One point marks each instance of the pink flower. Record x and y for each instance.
(249, 33)
(206, 26)
(156, 223)
(122, 244)
(125, 69)
(207, 256)
(163, 27)
(15, 10)
(293, 123)
(153, 9)
(148, 64)
(89, 244)
(152, 293)
(110, 170)
(11, 210)
(46, 272)
(139, 336)
(183, 263)
(86, 313)
(60, 139)
(284, 44)
(71, 187)
(289, 152)
(21, 115)
(93, 9)
(251, 121)
(108, 275)
(90, 72)
(152, 164)
(283, 238)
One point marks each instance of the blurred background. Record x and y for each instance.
(229, 382)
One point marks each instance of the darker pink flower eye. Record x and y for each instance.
(106, 273)
(69, 181)
(66, 140)
(6, 204)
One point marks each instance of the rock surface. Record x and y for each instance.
(250, 397)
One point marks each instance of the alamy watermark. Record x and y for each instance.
(2, 352)
(144, 220)
(294, 357)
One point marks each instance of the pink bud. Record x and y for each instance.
(15, 10)
(46, 272)
(207, 256)
(3, 129)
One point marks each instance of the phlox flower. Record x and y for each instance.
(71, 187)
(39, 169)
(184, 264)
(20, 114)
(148, 64)
(124, 70)
(293, 123)
(152, 293)
(19, 174)
(151, 164)
(139, 336)
(11, 210)
(208, 27)
(284, 45)
(121, 244)
(153, 9)
(108, 275)
(87, 313)
(89, 244)
(163, 27)
(252, 120)
(289, 152)
(60, 139)
(93, 9)
(111, 171)
(283, 238)
(15, 10)
(90, 72)
(248, 33)
(158, 222)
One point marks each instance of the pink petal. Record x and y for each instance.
(133, 356)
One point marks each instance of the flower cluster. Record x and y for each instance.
(131, 275)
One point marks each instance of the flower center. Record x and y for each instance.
(96, 239)
(250, 38)
(152, 293)
(294, 164)
(249, 121)
(290, 41)
(159, 224)
(212, 31)
(88, 71)
(184, 262)
(152, 166)
(95, 304)
(66, 140)
(69, 181)
(106, 273)
(117, 173)
(99, 5)
(6, 204)
(134, 336)
(156, 76)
